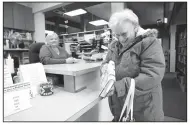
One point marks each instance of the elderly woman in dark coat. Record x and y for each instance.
(144, 62)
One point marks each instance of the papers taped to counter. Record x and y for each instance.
(107, 78)
(7, 77)
(16, 98)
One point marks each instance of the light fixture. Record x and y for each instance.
(98, 22)
(75, 12)
(165, 20)
(66, 21)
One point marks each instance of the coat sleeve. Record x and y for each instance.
(46, 57)
(152, 69)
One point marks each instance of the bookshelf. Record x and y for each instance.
(181, 56)
(79, 36)
(167, 61)
(22, 53)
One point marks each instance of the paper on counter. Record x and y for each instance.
(7, 77)
(35, 74)
(16, 98)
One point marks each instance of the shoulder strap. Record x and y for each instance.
(137, 40)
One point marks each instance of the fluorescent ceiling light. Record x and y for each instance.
(76, 12)
(49, 32)
(98, 22)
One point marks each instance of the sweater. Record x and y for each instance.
(49, 56)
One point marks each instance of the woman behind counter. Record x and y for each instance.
(52, 53)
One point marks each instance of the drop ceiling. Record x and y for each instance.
(148, 16)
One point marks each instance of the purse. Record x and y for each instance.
(128, 105)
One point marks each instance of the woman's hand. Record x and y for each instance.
(111, 92)
(70, 60)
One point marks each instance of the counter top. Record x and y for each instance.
(61, 106)
(76, 69)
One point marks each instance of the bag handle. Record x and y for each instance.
(129, 102)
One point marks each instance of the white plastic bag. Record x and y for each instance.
(128, 105)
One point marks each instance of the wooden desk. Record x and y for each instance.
(77, 76)
(17, 52)
(65, 106)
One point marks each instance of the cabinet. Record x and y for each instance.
(17, 16)
(29, 19)
(181, 56)
(8, 15)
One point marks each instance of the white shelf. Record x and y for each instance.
(83, 32)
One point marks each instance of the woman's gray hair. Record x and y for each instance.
(118, 18)
(49, 36)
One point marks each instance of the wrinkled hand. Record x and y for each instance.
(70, 60)
(103, 68)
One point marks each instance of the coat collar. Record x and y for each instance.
(141, 34)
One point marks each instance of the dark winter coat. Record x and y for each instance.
(145, 63)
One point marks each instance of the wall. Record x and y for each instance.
(101, 10)
(148, 12)
(165, 43)
(92, 27)
(26, 4)
(181, 17)
(73, 30)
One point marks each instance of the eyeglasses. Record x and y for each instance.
(121, 34)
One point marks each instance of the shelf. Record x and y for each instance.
(181, 71)
(26, 50)
(182, 46)
(21, 39)
(183, 38)
(182, 87)
(181, 54)
(181, 63)
(83, 32)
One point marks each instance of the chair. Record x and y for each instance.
(34, 50)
